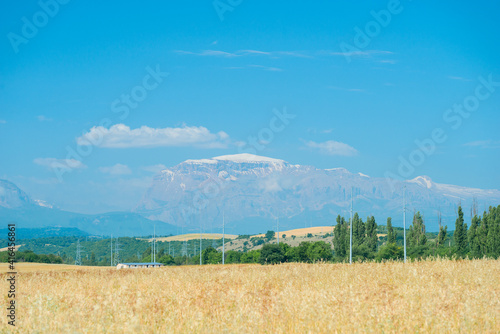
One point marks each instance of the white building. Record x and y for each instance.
(139, 265)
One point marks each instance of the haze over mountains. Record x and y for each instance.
(17, 206)
(252, 192)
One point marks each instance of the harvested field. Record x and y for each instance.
(441, 296)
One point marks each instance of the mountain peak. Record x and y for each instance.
(423, 180)
(237, 158)
(246, 157)
(11, 196)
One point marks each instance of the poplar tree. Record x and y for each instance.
(473, 237)
(493, 241)
(460, 234)
(358, 230)
(340, 238)
(371, 239)
(416, 234)
(391, 233)
(482, 233)
(441, 238)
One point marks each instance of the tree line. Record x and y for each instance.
(370, 241)
(481, 239)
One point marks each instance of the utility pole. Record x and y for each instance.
(350, 240)
(201, 234)
(223, 237)
(154, 244)
(78, 260)
(111, 263)
(278, 223)
(117, 252)
(404, 219)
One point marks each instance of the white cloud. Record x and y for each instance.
(2, 121)
(154, 168)
(60, 164)
(121, 136)
(117, 169)
(332, 147)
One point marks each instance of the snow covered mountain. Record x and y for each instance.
(253, 191)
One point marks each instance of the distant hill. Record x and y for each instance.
(17, 206)
(31, 233)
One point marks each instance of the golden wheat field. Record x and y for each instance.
(440, 296)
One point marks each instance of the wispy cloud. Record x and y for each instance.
(296, 54)
(358, 90)
(43, 118)
(154, 168)
(332, 147)
(2, 121)
(458, 78)
(484, 144)
(242, 53)
(211, 53)
(60, 164)
(322, 131)
(387, 61)
(117, 169)
(267, 68)
(261, 67)
(122, 136)
(366, 53)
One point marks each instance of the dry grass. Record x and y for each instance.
(316, 230)
(7, 248)
(439, 296)
(304, 231)
(28, 267)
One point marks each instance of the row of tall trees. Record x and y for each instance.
(481, 239)
(483, 236)
(364, 238)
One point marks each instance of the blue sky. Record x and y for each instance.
(358, 103)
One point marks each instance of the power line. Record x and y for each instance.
(223, 236)
(278, 228)
(404, 219)
(111, 261)
(78, 258)
(201, 236)
(116, 258)
(153, 247)
(350, 240)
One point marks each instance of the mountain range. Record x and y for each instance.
(252, 194)
(29, 214)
